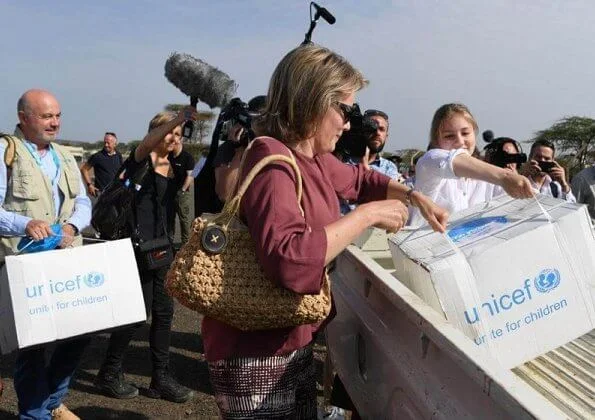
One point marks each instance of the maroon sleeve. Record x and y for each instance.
(289, 251)
(355, 183)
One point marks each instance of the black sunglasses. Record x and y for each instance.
(110, 133)
(346, 110)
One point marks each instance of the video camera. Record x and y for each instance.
(501, 158)
(495, 154)
(353, 143)
(236, 112)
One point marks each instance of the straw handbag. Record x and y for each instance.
(216, 273)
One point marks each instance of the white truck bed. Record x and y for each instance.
(399, 358)
(566, 376)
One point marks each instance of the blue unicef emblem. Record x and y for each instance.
(547, 280)
(94, 279)
(476, 228)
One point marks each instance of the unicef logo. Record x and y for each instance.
(547, 280)
(94, 279)
(476, 228)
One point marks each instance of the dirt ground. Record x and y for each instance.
(186, 361)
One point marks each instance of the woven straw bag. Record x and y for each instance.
(216, 273)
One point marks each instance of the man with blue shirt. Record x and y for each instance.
(41, 186)
(375, 145)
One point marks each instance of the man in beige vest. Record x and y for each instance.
(39, 187)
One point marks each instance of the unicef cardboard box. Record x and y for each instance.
(516, 281)
(54, 295)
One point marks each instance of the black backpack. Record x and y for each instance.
(113, 215)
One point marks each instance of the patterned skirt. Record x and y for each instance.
(274, 387)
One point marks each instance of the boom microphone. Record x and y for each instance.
(325, 14)
(200, 81)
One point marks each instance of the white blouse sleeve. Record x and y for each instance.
(434, 166)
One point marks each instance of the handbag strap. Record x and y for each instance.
(232, 206)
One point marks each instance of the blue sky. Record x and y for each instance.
(518, 65)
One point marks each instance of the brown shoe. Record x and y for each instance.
(63, 413)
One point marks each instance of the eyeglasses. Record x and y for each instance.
(110, 133)
(347, 110)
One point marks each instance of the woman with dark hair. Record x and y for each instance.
(505, 152)
(270, 373)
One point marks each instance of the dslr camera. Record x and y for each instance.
(546, 166)
(353, 143)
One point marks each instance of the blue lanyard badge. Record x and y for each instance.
(35, 155)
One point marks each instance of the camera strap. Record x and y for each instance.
(555, 190)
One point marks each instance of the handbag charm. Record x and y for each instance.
(214, 239)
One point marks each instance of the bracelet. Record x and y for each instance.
(408, 196)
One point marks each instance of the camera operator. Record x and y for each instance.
(375, 144)
(503, 152)
(547, 176)
(237, 136)
(363, 144)
(217, 177)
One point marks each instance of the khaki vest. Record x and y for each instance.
(29, 191)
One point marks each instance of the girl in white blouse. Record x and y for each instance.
(450, 176)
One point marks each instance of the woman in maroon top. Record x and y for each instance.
(266, 374)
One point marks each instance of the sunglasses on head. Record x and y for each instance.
(110, 133)
(347, 110)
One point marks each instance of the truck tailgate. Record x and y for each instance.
(399, 358)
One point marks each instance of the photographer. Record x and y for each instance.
(237, 134)
(364, 143)
(547, 176)
(376, 132)
(503, 152)
(217, 177)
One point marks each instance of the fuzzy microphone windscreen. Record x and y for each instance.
(198, 79)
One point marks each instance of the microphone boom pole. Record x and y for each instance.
(320, 12)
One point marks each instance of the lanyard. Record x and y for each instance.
(37, 159)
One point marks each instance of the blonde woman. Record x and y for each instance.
(450, 175)
(154, 200)
(270, 374)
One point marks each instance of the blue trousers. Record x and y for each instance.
(41, 386)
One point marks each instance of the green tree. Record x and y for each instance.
(574, 136)
(202, 126)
